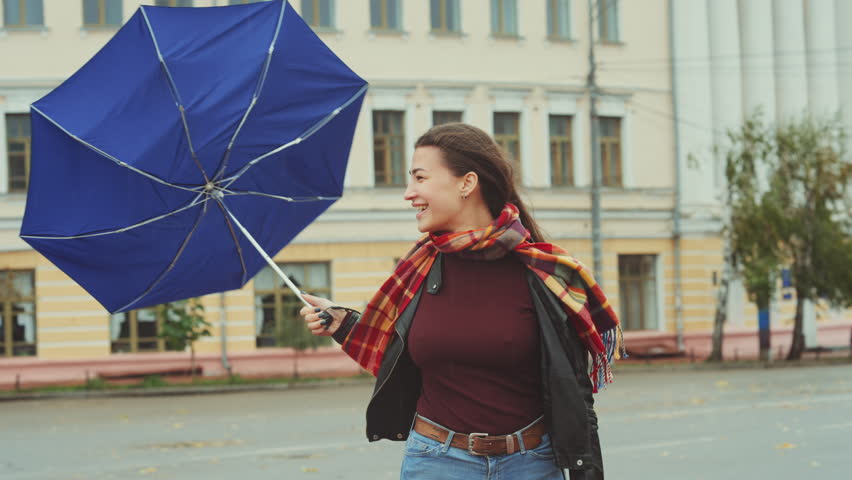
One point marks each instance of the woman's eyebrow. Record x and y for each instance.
(415, 170)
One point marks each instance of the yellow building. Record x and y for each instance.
(514, 68)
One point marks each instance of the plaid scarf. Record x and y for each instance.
(582, 298)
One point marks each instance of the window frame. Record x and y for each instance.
(444, 17)
(611, 7)
(133, 338)
(316, 21)
(102, 15)
(497, 29)
(385, 25)
(173, 3)
(439, 113)
(278, 292)
(386, 139)
(26, 154)
(561, 143)
(606, 144)
(6, 304)
(554, 8)
(641, 281)
(502, 139)
(22, 16)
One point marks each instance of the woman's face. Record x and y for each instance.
(434, 191)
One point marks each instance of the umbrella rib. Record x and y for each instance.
(122, 229)
(257, 89)
(281, 197)
(304, 136)
(266, 257)
(110, 157)
(175, 95)
(171, 265)
(236, 241)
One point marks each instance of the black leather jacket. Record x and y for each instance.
(566, 387)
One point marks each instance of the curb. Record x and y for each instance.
(628, 368)
(624, 368)
(183, 390)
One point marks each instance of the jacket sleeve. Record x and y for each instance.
(585, 382)
(349, 321)
(581, 358)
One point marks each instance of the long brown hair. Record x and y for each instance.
(469, 149)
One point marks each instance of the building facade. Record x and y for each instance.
(731, 58)
(516, 69)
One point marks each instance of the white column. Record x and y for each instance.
(725, 73)
(758, 65)
(843, 35)
(791, 82)
(693, 94)
(822, 56)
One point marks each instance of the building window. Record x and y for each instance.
(561, 151)
(389, 147)
(507, 132)
(23, 13)
(386, 15)
(559, 19)
(177, 3)
(138, 330)
(318, 13)
(18, 146)
(504, 18)
(610, 145)
(99, 13)
(277, 319)
(17, 317)
(608, 21)
(446, 16)
(440, 117)
(637, 289)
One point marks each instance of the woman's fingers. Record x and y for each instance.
(320, 320)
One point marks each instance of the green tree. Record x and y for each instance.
(788, 202)
(183, 325)
(293, 333)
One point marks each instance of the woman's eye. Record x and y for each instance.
(418, 178)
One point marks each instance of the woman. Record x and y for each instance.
(481, 328)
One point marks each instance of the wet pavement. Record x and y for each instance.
(783, 423)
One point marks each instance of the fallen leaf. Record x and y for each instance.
(785, 446)
(665, 454)
(310, 469)
(146, 471)
(722, 384)
(177, 426)
(696, 401)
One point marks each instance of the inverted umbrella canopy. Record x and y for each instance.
(195, 144)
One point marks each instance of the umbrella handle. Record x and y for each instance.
(266, 257)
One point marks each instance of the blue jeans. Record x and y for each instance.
(427, 459)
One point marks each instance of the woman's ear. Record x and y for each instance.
(469, 182)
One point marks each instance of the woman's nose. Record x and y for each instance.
(409, 193)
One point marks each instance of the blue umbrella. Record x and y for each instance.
(195, 144)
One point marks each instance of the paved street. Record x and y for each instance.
(756, 424)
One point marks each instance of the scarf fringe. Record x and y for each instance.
(602, 363)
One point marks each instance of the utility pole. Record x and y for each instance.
(592, 87)
(223, 334)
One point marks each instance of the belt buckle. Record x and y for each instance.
(470, 439)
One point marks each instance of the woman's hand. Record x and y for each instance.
(320, 313)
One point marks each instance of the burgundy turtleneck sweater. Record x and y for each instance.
(477, 346)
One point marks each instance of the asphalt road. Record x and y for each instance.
(775, 424)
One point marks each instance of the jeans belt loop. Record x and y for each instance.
(521, 443)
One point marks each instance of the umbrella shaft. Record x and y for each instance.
(266, 257)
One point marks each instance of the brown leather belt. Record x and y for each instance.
(482, 443)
